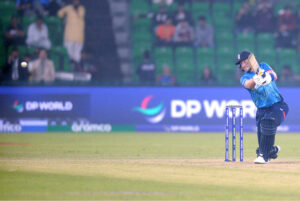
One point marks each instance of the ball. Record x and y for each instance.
(24, 64)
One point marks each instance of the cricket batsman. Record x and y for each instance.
(259, 80)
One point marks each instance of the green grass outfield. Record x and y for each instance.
(143, 166)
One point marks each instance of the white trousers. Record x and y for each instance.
(74, 50)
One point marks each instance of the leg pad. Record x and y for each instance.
(268, 126)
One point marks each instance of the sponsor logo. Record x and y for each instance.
(182, 128)
(87, 127)
(191, 107)
(8, 127)
(43, 106)
(49, 105)
(154, 114)
(18, 107)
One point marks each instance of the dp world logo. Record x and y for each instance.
(18, 107)
(154, 114)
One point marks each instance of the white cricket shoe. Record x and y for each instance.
(260, 160)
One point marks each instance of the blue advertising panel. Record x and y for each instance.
(44, 105)
(170, 109)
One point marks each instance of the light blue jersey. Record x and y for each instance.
(264, 96)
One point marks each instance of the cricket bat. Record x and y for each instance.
(253, 63)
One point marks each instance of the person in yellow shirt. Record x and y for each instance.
(74, 29)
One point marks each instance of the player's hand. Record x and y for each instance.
(267, 79)
(262, 80)
(258, 81)
(260, 71)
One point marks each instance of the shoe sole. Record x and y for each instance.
(261, 162)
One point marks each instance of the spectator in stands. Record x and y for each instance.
(37, 35)
(12, 70)
(54, 6)
(287, 20)
(158, 18)
(166, 2)
(181, 15)
(298, 28)
(183, 33)
(165, 33)
(284, 38)
(207, 76)
(244, 19)
(32, 7)
(42, 69)
(298, 20)
(25, 7)
(264, 18)
(74, 29)
(166, 78)
(14, 34)
(204, 33)
(287, 75)
(161, 17)
(146, 70)
(86, 65)
(41, 7)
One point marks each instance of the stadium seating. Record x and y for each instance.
(245, 42)
(185, 66)
(60, 58)
(267, 55)
(55, 29)
(188, 62)
(224, 38)
(237, 5)
(169, 8)
(201, 9)
(163, 56)
(139, 7)
(205, 56)
(139, 47)
(186, 78)
(27, 20)
(7, 8)
(265, 40)
(288, 56)
(161, 62)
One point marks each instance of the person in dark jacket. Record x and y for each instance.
(146, 70)
(14, 68)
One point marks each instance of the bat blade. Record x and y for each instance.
(253, 63)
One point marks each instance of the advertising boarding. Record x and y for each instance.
(111, 109)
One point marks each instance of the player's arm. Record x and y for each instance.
(254, 82)
(269, 70)
(249, 84)
(272, 74)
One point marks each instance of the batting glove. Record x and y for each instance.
(260, 71)
(267, 79)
